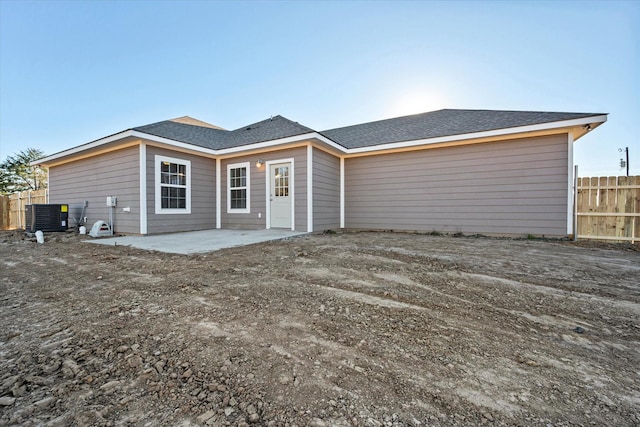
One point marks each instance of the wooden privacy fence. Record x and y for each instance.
(4, 212)
(608, 208)
(13, 207)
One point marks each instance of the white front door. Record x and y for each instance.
(280, 195)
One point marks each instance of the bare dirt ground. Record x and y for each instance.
(353, 329)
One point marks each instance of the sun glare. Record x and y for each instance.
(415, 102)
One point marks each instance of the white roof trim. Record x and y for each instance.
(322, 138)
(266, 144)
(173, 142)
(121, 135)
(185, 145)
(83, 147)
(281, 141)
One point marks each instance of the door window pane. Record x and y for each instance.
(281, 182)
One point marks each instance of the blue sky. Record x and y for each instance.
(72, 72)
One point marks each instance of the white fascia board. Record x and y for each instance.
(298, 138)
(118, 136)
(485, 134)
(84, 147)
(281, 141)
(330, 143)
(186, 146)
(173, 142)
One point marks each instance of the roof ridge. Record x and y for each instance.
(270, 119)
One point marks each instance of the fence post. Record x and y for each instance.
(575, 204)
(5, 204)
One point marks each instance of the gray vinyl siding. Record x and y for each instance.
(510, 187)
(203, 195)
(115, 173)
(301, 189)
(257, 190)
(326, 191)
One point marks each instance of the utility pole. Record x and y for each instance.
(626, 150)
(624, 162)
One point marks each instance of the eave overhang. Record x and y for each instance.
(577, 127)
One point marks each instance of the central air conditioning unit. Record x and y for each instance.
(46, 218)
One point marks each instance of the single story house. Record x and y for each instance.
(469, 171)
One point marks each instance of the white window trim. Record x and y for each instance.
(158, 161)
(246, 165)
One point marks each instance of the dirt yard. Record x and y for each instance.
(354, 329)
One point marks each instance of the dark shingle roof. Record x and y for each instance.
(438, 124)
(196, 135)
(433, 124)
(267, 130)
(274, 128)
(442, 123)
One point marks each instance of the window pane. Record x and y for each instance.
(173, 195)
(165, 197)
(238, 177)
(238, 199)
(238, 188)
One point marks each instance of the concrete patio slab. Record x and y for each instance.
(197, 241)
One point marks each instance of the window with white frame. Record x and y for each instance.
(238, 188)
(173, 185)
